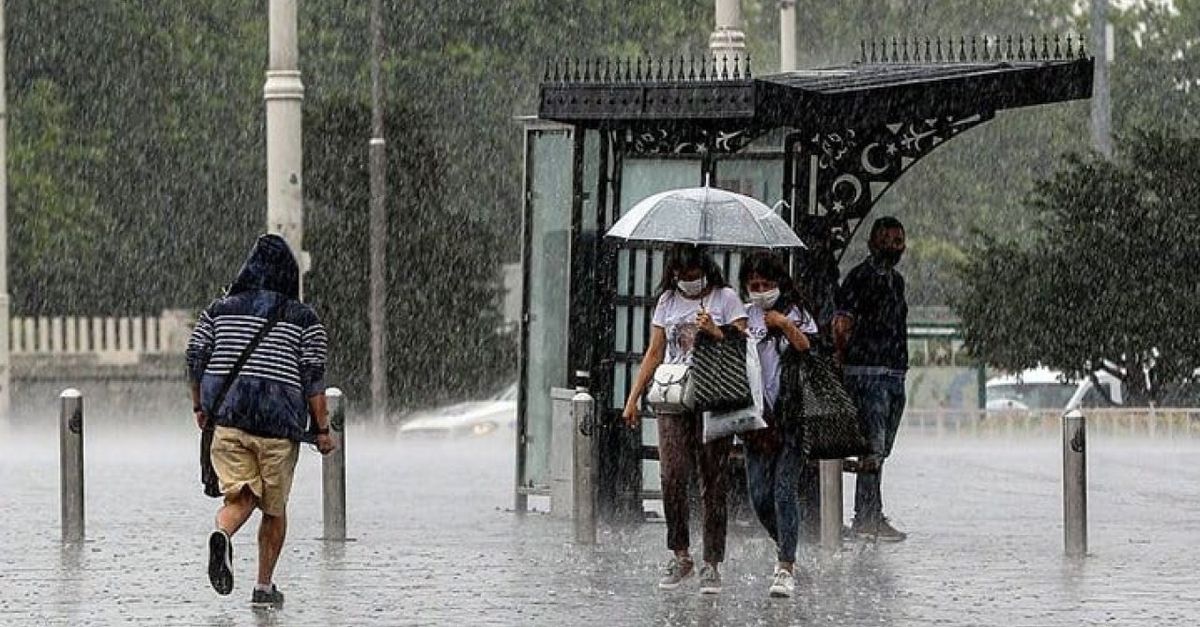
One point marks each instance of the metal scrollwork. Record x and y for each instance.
(856, 166)
(688, 139)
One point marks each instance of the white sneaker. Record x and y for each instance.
(782, 584)
(674, 572)
(710, 580)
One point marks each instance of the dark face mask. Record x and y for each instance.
(888, 258)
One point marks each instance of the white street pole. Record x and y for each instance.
(727, 41)
(379, 224)
(787, 35)
(284, 94)
(5, 360)
(1101, 99)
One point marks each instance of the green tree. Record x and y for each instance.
(58, 228)
(1107, 278)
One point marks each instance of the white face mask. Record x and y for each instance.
(691, 289)
(765, 300)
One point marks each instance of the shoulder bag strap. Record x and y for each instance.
(276, 316)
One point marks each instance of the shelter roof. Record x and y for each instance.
(879, 88)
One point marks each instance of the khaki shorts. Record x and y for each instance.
(265, 465)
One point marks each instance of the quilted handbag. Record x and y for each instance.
(812, 394)
(670, 389)
(719, 379)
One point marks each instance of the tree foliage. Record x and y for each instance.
(137, 143)
(1106, 279)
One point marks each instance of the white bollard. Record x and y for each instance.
(1075, 483)
(583, 503)
(70, 455)
(831, 504)
(333, 470)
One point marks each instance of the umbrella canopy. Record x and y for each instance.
(705, 216)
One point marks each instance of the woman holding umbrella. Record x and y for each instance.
(694, 299)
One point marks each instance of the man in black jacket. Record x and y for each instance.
(262, 413)
(870, 334)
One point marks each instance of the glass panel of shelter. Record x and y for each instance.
(549, 224)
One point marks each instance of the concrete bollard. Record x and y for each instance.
(333, 470)
(831, 504)
(1075, 483)
(583, 410)
(70, 456)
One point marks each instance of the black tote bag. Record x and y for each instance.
(718, 372)
(812, 395)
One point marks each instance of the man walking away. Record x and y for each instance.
(870, 331)
(256, 361)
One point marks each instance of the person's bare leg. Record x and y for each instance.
(235, 513)
(271, 533)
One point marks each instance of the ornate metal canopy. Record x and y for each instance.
(855, 128)
(717, 105)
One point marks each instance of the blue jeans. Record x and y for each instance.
(773, 480)
(880, 401)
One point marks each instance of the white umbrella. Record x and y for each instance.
(705, 216)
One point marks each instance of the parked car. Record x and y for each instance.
(466, 419)
(1044, 389)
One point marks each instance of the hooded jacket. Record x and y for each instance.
(270, 395)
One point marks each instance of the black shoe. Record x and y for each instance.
(880, 530)
(262, 599)
(220, 562)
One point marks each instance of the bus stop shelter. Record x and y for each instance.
(828, 142)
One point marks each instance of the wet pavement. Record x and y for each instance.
(435, 544)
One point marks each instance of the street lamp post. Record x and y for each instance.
(787, 35)
(727, 41)
(379, 224)
(284, 94)
(1101, 96)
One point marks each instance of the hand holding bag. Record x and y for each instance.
(720, 379)
(723, 424)
(671, 389)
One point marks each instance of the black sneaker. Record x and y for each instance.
(220, 562)
(263, 599)
(880, 530)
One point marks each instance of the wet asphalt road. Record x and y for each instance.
(435, 543)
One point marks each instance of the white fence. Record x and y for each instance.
(1166, 423)
(114, 337)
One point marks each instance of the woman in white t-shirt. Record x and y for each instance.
(694, 299)
(774, 458)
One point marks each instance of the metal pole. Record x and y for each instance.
(5, 360)
(1075, 483)
(583, 407)
(333, 470)
(1101, 100)
(379, 224)
(831, 504)
(787, 35)
(284, 94)
(70, 458)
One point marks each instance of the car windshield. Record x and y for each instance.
(1033, 395)
(507, 394)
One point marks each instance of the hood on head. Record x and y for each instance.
(270, 266)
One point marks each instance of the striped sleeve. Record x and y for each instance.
(314, 346)
(200, 346)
